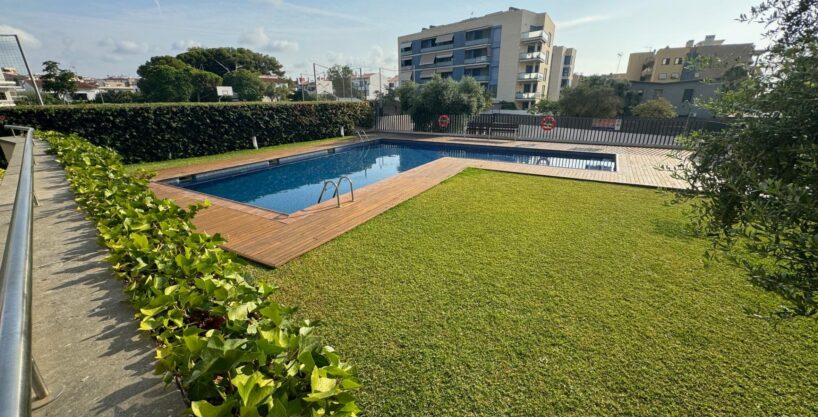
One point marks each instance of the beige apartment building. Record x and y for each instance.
(669, 65)
(508, 52)
(562, 71)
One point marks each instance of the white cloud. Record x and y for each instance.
(28, 40)
(122, 47)
(183, 45)
(584, 20)
(258, 38)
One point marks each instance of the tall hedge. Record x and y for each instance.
(156, 132)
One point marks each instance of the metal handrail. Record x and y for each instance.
(15, 293)
(324, 189)
(338, 189)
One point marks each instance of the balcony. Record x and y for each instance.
(529, 76)
(481, 77)
(481, 41)
(406, 51)
(533, 36)
(526, 96)
(437, 47)
(477, 60)
(533, 56)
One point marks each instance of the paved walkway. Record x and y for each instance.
(86, 340)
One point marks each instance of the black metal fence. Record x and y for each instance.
(627, 131)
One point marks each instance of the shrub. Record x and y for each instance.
(156, 132)
(229, 347)
(658, 108)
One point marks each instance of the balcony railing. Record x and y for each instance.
(480, 41)
(526, 96)
(437, 47)
(534, 35)
(478, 77)
(530, 56)
(477, 60)
(525, 76)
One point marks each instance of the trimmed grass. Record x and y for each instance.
(183, 162)
(498, 294)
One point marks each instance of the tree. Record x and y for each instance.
(61, 82)
(117, 97)
(658, 108)
(439, 96)
(278, 92)
(545, 107)
(204, 85)
(754, 183)
(341, 77)
(165, 79)
(246, 84)
(220, 61)
(587, 100)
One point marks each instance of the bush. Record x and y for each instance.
(230, 348)
(658, 108)
(157, 132)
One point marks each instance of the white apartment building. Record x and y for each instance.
(507, 52)
(562, 71)
(370, 84)
(8, 89)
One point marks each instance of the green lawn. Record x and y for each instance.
(498, 294)
(183, 162)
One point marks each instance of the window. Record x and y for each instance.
(476, 53)
(658, 93)
(566, 60)
(674, 76)
(678, 61)
(536, 47)
(688, 95)
(406, 47)
(3, 96)
(665, 61)
(406, 62)
(662, 75)
(445, 75)
(566, 71)
(444, 58)
(478, 34)
(532, 68)
(564, 83)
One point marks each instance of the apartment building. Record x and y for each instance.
(562, 71)
(669, 65)
(8, 89)
(370, 84)
(508, 52)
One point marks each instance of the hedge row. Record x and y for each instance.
(156, 132)
(231, 349)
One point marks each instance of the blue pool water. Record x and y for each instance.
(293, 184)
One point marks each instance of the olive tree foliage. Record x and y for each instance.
(658, 108)
(755, 184)
(426, 102)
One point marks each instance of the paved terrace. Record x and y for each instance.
(272, 238)
(86, 341)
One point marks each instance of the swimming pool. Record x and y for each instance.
(287, 185)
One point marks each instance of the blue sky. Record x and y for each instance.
(112, 37)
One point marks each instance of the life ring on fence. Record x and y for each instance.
(443, 121)
(548, 123)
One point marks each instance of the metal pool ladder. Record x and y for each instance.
(337, 186)
(362, 136)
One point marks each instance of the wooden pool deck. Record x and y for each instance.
(273, 239)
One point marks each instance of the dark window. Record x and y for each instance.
(3, 95)
(476, 53)
(407, 49)
(678, 61)
(567, 60)
(663, 76)
(428, 43)
(665, 61)
(478, 34)
(407, 62)
(674, 76)
(566, 71)
(563, 83)
(445, 75)
(688, 95)
(439, 60)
